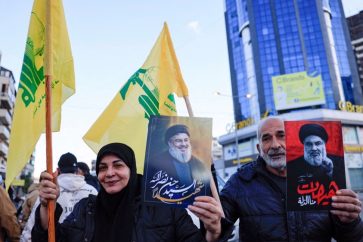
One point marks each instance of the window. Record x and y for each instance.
(3, 88)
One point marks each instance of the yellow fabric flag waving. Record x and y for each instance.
(148, 92)
(29, 114)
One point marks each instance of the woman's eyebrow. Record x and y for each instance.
(115, 161)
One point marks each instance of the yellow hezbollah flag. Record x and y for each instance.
(29, 114)
(148, 92)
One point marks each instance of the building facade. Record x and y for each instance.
(7, 100)
(293, 59)
(355, 24)
(269, 39)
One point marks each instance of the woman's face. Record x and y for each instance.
(113, 174)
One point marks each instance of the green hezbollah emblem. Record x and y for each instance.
(150, 99)
(31, 76)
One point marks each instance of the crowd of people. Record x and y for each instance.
(109, 207)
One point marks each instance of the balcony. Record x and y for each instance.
(5, 117)
(6, 101)
(3, 149)
(4, 132)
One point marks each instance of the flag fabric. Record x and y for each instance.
(29, 113)
(149, 91)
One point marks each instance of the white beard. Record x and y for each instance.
(315, 160)
(279, 164)
(181, 156)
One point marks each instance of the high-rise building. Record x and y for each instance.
(292, 58)
(355, 24)
(307, 39)
(7, 100)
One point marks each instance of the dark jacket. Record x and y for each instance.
(152, 224)
(93, 181)
(252, 196)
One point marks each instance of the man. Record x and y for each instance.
(314, 166)
(9, 226)
(72, 189)
(256, 195)
(83, 170)
(179, 163)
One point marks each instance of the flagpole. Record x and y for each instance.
(48, 113)
(212, 183)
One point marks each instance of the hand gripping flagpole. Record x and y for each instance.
(48, 113)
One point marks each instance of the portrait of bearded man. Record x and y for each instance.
(315, 165)
(178, 163)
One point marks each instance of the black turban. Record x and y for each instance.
(176, 129)
(312, 129)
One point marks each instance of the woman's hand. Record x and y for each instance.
(48, 189)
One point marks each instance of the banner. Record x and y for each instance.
(298, 90)
(149, 91)
(29, 113)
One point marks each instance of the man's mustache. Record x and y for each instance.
(276, 151)
(315, 153)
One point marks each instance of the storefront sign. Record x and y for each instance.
(353, 148)
(349, 107)
(244, 123)
(242, 160)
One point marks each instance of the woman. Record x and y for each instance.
(117, 213)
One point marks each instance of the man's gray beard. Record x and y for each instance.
(181, 156)
(279, 164)
(315, 161)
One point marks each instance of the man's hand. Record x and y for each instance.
(328, 166)
(210, 212)
(347, 205)
(48, 190)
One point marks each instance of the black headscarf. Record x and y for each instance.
(114, 217)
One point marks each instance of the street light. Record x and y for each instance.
(247, 96)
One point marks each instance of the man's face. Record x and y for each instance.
(272, 146)
(314, 150)
(180, 148)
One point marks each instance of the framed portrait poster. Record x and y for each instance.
(177, 160)
(315, 164)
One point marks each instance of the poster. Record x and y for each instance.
(177, 160)
(315, 164)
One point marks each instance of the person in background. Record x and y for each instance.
(256, 195)
(72, 188)
(118, 213)
(29, 202)
(83, 170)
(9, 226)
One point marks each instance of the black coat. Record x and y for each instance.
(252, 196)
(153, 224)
